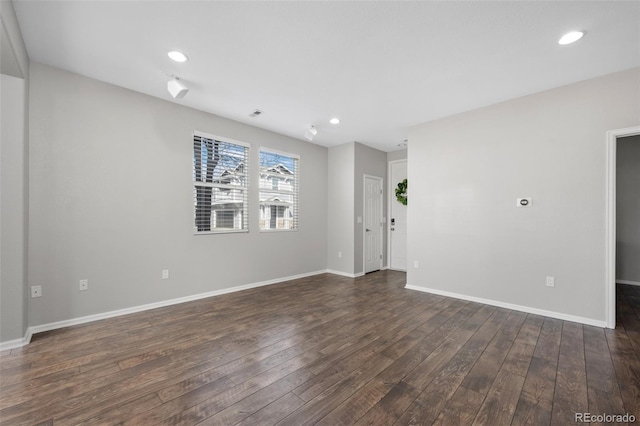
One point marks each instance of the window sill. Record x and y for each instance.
(226, 231)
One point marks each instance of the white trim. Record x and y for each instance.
(275, 151)
(527, 309)
(344, 274)
(17, 343)
(219, 138)
(610, 221)
(389, 201)
(222, 231)
(140, 308)
(364, 220)
(628, 282)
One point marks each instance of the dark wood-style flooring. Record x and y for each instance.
(326, 350)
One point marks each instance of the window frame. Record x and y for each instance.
(295, 193)
(244, 188)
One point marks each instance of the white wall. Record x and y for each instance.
(112, 202)
(628, 209)
(14, 86)
(466, 172)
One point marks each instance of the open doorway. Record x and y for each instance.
(623, 230)
(397, 238)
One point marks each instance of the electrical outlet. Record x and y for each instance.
(551, 281)
(36, 291)
(165, 274)
(83, 285)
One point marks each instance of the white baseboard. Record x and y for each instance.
(628, 282)
(344, 274)
(527, 309)
(96, 317)
(17, 343)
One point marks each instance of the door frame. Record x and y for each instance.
(364, 221)
(610, 220)
(390, 200)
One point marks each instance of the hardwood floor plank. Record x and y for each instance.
(117, 414)
(572, 343)
(626, 364)
(519, 356)
(570, 395)
(358, 404)
(485, 370)
(602, 387)
(326, 350)
(249, 405)
(461, 408)
(500, 404)
(548, 344)
(391, 407)
(436, 395)
(274, 412)
(536, 398)
(328, 400)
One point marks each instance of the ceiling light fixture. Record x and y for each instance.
(177, 56)
(334, 120)
(571, 37)
(176, 88)
(310, 133)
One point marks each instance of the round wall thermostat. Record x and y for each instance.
(523, 202)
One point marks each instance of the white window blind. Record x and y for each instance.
(220, 185)
(279, 190)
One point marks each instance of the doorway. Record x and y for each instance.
(398, 218)
(372, 223)
(611, 212)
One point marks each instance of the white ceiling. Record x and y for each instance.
(379, 66)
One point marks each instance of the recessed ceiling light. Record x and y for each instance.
(571, 37)
(334, 120)
(178, 56)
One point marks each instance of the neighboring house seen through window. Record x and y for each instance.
(278, 190)
(220, 185)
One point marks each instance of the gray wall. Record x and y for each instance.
(373, 162)
(111, 201)
(628, 209)
(13, 196)
(14, 86)
(341, 213)
(466, 172)
(397, 155)
(348, 163)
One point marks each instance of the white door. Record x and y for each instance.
(398, 218)
(372, 224)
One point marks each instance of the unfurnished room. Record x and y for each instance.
(319, 212)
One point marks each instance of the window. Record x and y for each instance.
(278, 190)
(220, 185)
